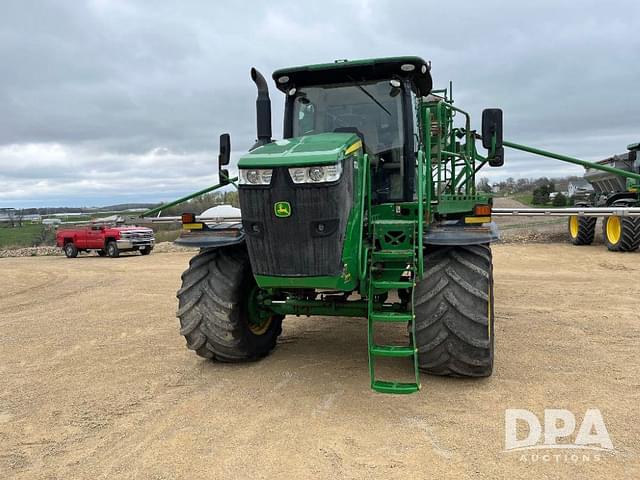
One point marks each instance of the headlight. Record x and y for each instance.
(255, 176)
(316, 174)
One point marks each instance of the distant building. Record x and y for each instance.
(495, 188)
(52, 221)
(579, 188)
(12, 216)
(8, 215)
(69, 214)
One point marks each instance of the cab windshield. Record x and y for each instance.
(372, 110)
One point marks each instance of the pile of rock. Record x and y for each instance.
(532, 236)
(30, 252)
(162, 247)
(170, 247)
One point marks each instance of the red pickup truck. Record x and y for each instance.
(106, 240)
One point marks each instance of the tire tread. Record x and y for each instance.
(452, 312)
(211, 311)
(586, 230)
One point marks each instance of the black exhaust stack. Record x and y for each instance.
(263, 109)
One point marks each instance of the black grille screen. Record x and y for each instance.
(307, 243)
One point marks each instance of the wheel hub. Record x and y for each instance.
(573, 226)
(259, 317)
(614, 229)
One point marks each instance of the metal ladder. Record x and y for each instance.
(393, 244)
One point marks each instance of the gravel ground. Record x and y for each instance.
(530, 229)
(162, 247)
(95, 380)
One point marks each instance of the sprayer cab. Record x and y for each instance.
(375, 100)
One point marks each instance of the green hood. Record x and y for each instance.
(320, 149)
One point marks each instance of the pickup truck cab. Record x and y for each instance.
(105, 240)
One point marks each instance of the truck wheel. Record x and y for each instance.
(70, 250)
(218, 311)
(145, 250)
(454, 312)
(621, 234)
(112, 249)
(582, 229)
(101, 253)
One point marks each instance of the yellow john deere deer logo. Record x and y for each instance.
(282, 209)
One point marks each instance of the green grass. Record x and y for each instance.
(526, 198)
(26, 236)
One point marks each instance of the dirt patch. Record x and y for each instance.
(96, 382)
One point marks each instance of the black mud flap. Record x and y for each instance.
(212, 237)
(460, 234)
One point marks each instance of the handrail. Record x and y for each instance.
(365, 193)
(420, 195)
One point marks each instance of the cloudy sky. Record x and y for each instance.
(109, 101)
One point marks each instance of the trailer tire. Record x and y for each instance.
(216, 308)
(454, 312)
(621, 234)
(582, 230)
(70, 250)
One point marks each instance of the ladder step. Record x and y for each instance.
(394, 387)
(390, 285)
(393, 255)
(391, 317)
(399, 270)
(392, 351)
(393, 222)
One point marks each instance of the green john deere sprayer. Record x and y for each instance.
(366, 208)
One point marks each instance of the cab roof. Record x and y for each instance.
(345, 71)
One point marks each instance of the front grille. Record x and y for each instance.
(310, 241)
(137, 235)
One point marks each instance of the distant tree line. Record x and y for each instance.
(87, 210)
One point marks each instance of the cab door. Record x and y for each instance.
(94, 237)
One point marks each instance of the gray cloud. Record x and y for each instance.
(107, 100)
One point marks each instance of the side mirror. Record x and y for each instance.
(492, 135)
(223, 158)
